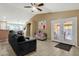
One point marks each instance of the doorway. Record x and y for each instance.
(64, 30)
(28, 29)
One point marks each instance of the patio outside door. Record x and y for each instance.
(64, 30)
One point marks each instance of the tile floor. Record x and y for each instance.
(44, 48)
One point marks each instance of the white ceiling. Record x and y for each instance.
(15, 12)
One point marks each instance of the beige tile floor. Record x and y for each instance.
(44, 48)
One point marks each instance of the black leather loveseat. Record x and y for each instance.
(20, 45)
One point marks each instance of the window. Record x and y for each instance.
(16, 27)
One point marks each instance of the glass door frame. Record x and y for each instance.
(52, 31)
(74, 30)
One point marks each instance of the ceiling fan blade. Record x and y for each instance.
(41, 4)
(31, 4)
(34, 3)
(27, 6)
(39, 9)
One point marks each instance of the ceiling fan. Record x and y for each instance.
(35, 6)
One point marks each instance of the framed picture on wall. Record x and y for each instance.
(42, 25)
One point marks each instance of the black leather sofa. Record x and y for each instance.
(20, 45)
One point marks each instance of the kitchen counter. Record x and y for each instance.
(3, 35)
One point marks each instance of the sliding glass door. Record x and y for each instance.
(56, 30)
(68, 31)
(64, 30)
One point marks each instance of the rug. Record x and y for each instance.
(63, 46)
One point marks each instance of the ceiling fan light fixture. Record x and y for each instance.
(34, 8)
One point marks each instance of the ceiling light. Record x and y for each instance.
(34, 9)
